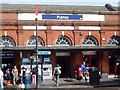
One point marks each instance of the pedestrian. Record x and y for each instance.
(57, 72)
(1, 79)
(23, 72)
(7, 76)
(84, 70)
(15, 75)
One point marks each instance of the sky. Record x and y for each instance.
(63, 2)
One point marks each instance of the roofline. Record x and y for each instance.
(63, 12)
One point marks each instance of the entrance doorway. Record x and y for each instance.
(8, 63)
(64, 62)
(118, 66)
(112, 65)
(90, 61)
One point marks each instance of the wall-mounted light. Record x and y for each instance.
(81, 33)
(63, 33)
(103, 38)
(20, 54)
(5, 33)
(89, 33)
(109, 56)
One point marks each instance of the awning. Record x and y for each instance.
(88, 48)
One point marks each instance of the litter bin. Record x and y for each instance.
(27, 81)
(94, 76)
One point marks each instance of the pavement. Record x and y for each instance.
(71, 83)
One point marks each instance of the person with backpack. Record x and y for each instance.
(57, 72)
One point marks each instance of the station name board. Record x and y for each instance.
(89, 52)
(62, 17)
(6, 54)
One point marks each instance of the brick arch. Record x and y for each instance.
(59, 36)
(107, 42)
(34, 36)
(97, 41)
(11, 38)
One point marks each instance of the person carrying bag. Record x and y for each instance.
(57, 72)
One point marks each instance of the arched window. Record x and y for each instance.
(63, 41)
(115, 40)
(90, 41)
(6, 41)
(32, 41)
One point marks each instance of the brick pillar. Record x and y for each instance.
(49, 36)
(105, 62)
(53, 60)
(103, 39)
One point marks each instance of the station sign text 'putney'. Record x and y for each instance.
(62, 17)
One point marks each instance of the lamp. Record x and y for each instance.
(81, 33)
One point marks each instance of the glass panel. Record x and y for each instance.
(6, 41)
(90, 41)
(32, 41)
(64, 41)
(115, 40)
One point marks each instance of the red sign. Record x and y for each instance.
(36, 10)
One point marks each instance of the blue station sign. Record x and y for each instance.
(44, 52)
(62, 17)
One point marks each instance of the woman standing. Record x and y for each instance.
(7, 76)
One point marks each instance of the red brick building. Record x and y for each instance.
(77, 34)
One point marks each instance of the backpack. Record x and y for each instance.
(57, 71)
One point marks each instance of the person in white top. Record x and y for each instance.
(1, 79)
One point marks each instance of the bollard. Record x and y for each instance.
(33, 79)
(27, 82)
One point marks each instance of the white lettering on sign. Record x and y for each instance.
(89, 52)
(62, 17)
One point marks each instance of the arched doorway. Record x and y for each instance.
(90, 56)
(63, 58)
(114, 61)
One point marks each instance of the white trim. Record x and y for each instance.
(86, 17)
(5, 33)
(34, 27)
(62, 27)
(89, 33)
(93, 17)
(89, 28)
(29, 16)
